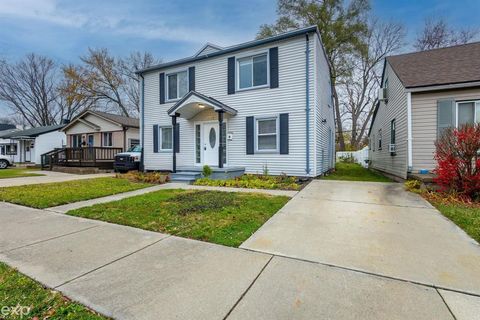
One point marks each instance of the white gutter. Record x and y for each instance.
(409, 131)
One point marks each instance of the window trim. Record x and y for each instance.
(167, 97)
(251, 56)
(277, 133)
(103, 139)
(475, 120)
(160, 128)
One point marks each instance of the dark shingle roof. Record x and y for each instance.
(125, 121)
(6, 126)
(33, 132)
(452, 65)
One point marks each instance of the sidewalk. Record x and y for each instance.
(128, 273)
(48, 177)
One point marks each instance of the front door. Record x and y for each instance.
(90, 140)
(210, 144)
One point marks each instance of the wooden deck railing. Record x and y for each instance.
(80, 157)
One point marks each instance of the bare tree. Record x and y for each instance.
(29, 89)
(127, 67)
(436, 33)
(108, 81)
(359, 91)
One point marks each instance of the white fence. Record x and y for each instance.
(360, 156)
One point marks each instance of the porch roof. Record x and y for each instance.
(194, 102)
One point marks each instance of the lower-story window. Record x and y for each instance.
(107, 139)
(134, 142)
(266, 130)
(166, 138)
(468, 112)
(76, 140)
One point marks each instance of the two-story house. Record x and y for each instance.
(423, 93)
(263, 105)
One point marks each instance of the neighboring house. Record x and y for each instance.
(32, 143)
(101, 129)
(9, 147)
(261, 105)
(424, 92)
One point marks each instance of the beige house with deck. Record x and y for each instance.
(422, 93)
(101, 129)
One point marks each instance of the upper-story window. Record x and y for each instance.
(177, 85)
(253, 71)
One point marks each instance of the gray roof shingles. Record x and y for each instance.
(451, 65)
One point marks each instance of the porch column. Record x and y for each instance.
(220, 138)
(174, 147)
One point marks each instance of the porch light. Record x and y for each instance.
(201, 106)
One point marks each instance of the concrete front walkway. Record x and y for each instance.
(127, 273)
(50, 176)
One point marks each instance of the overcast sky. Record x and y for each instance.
(64, 29)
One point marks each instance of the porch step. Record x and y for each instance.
(185, 176)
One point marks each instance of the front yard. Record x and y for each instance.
(226, 218)
(18, 172)
(24, 298)
(54, 194)
(355, 172)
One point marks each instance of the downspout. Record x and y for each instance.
(307, 98)
(409, 132)
(142, 122)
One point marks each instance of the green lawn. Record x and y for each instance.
(465, 216)
(355, 172)
(53, 194)
(18, 172)
(226, 218)
(35, 301)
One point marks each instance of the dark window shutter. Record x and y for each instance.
(155, 138)
(273, 67)
(162, 88)
(177, 137)
(191, 79)
(284, 133)
(231, 75)
(250, 135)
(446, 115)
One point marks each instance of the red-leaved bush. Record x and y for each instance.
(458, 161)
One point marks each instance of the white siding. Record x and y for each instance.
(47, 142)
(396, 108)
(324, 132)
(424, 123)
(211, 80)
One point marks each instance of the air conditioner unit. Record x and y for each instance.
(382, 94)
(392, 148)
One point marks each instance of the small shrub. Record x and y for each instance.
(146, 177)
(207, 171)
(265, 170)
(458, 161)
(413, 185)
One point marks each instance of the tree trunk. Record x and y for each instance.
(338, 120)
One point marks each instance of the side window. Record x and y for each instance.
(166, 138)
(107, 139)
(392, 131)
(380, 139)
(373, 142)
